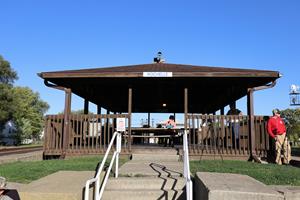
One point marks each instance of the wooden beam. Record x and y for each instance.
(129, 119)
(82, 74)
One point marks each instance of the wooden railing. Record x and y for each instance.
(87, 134)
(207, 134)
(226, 135)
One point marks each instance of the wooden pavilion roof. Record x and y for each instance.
(210, 88)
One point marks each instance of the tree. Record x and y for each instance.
(7, 74)
(77, 112)
(28, 112)
(20, 104)
(292, 118)
(7, 78)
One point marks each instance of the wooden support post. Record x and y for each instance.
(185, 107)
(250, 110)
(222, 111)
(129, 119)
(86, 107)
(98, 110)
(148, 119)
(67, 113)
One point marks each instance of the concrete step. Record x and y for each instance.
(143, 168)
(143, 194)
(155, 157)
(145, 183)
(165, 150)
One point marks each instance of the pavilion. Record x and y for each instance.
(157, 88)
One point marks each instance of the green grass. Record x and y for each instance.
(270, 174)
(25, 172)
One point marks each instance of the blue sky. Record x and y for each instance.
(38, 36)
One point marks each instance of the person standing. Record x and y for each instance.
(235, 124)
(277, 130)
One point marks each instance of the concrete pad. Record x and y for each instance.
(17, 186)
(65, 185)
(215, 186)
(289, 192)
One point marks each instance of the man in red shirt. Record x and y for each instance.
(277, 130)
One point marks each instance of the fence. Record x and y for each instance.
(87, 134)
(208, 134)
(226, 135)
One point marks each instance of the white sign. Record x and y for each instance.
(295, 89)
(157, 74)
(121, 124)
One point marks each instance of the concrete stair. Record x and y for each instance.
(153, 174)
(143, 194)
(151, 183)
(145, 188)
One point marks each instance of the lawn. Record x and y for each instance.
(25, 172)
(270, 174)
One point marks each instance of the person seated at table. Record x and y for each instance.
(170, 123)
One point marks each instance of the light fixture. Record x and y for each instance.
(164, 105)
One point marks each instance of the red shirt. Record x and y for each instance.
(276, 126)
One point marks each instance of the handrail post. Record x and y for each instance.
(184, 155)
(186, 172)
(118, 149)
(97, 188)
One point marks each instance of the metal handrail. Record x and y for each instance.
(186, 170)
(99, 191)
